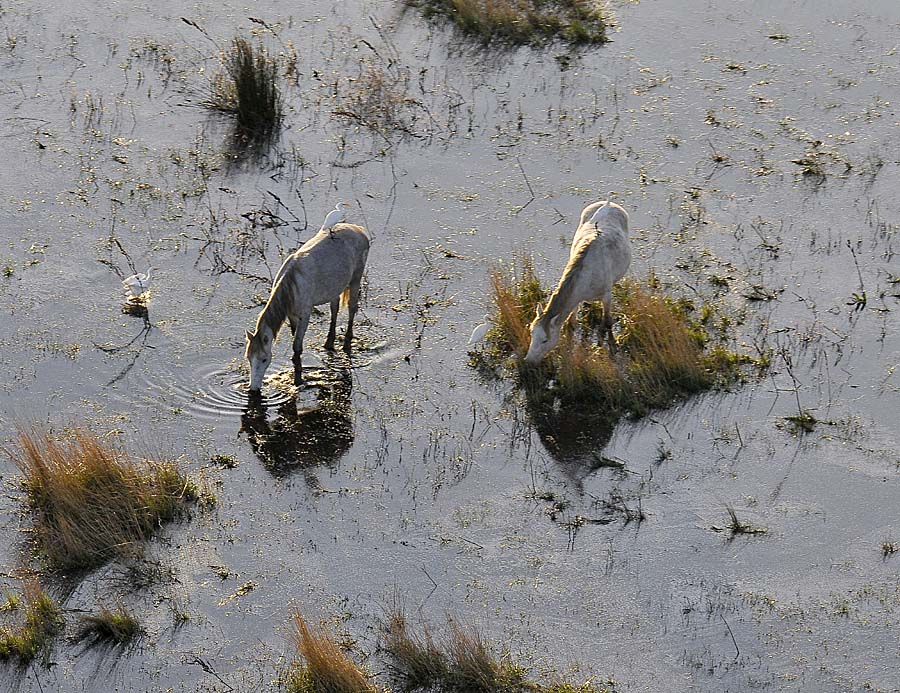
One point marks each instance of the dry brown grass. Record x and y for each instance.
(515, 299)
(327, 667)
(92, 502)
(523, 21)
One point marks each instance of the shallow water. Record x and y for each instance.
(400, 471)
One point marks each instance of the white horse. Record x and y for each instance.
(328, 268)
(600, 256)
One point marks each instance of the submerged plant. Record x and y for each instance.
(326, 668)
(91, 501)
(523, 21)
(248, 90)
(43, 621)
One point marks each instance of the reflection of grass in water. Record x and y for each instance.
(666, 351)
(522, 21)
(113, 627)
(91, 500)
(248, 90)
(463, 662)
(43, 620)
(327, 668)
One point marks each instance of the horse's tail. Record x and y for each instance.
(345, 298)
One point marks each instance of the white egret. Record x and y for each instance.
(335, 216)
(137, 284)
(479, 333)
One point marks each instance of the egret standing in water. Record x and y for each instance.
(335, 216)
(137, 284)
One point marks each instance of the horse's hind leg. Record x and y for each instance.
(352, 306)
(608, 321)
(332, 329)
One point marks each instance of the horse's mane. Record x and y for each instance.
(280, 301)
(563, 293)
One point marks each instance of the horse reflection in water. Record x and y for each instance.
(303, 437)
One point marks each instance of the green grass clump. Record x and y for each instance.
(523, 21)
(91, 501)
(43, 621)
(665, 352)
(113, 627)
(248, 90)
(326, 668)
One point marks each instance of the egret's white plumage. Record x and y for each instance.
(137, 284)
(480, 331)
(336, 215)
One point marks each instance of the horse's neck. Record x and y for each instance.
(566, 297)
(275, 312)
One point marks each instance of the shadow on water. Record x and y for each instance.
(302, 437)
(573, 432)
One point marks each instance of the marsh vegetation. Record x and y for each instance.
(247, 89)
(523, 21)
(91, 501)
(41, 622)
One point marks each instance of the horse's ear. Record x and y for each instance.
(554, 321)
(538, 311)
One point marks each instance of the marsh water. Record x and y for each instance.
(755, 147)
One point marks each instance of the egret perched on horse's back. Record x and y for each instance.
(328, 268)
(480, 331)
(599, 257)
(137, 284)
(336, 216)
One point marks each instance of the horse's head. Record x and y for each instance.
(544, 336)
(259, 354)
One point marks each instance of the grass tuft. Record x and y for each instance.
(737, 526)
(112, 627)
(43, 621)
(522, 21)
(461, 662)
(247, 89)
(474, 668)
(417, 661)
(327, 667)
(91, 501)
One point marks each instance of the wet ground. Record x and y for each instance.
(754, 145)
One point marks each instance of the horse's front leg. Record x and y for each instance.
(332, 329)
(352, 306)
(302, 324)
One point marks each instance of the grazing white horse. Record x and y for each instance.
(328, 268)
(600, 256)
